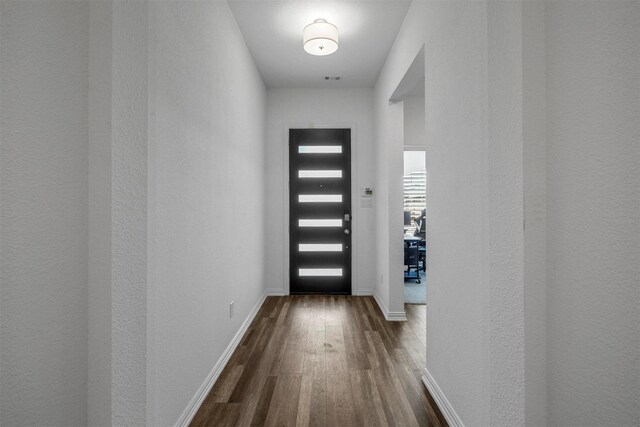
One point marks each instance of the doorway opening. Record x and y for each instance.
(415, 221)
(411, 92)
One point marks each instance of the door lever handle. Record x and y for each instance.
(347, 217)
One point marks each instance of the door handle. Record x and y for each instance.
(346, 231)
(347, 217)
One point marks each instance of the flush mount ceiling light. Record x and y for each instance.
(320, 38)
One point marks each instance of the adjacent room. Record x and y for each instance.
(415, 226)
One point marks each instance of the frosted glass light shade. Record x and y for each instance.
(320, 38)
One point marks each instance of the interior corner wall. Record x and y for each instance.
(593, 203)
(389, 205)
(320, 107)
(206, 196)
(44, 210)
(413, 129)
(475, 303)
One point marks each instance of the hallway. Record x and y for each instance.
(147, 213)
(324, 361)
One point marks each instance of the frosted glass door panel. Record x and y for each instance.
(320, 174)
(336, 272)
(320, 149)
(320, 198)
(320, 247)
(320, 222)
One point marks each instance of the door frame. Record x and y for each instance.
(355, 213)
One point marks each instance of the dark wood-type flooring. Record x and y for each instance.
(324, 361)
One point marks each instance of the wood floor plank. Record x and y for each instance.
(317, 317)
(304, 404)
(355, 332)
(333, 311)
(416, 351)
(330, 361)
(296, 341)
(283, 410)
(389, 385)
(367, 403)
(264, 402)
(223, 388)
(350, 347)
(275, 310)
(248, 379)
(217, 414)
(255, 388)
(335, 353)
(314, 367)
(283, 313)
(280, 346)
(411, 385)
(339, 397)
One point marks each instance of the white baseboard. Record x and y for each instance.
(393, 316)
(275, 292)
(441, 400)
(208, 383)
(363, 292)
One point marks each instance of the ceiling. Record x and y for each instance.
(272, 30)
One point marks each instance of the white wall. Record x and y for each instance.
(126, 179)
(474, 234)
(99, 238)
(456, 42)
(389, 205)
(534, 166)
(44, 194)
(414, 129)
(319, 107)
(531, 116)
(129, 235)
(593, 225)
(206, 196)
(177, 115)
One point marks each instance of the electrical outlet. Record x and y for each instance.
(231, 309)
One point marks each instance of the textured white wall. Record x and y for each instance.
(389, 207)
(474, 234)
(454, 38)
(206, 196)
(529, 105)
(129, 170)
(319, 107)
(99, 292)
(593, 235)
(505, 238)
(44, 128)
(534, 166)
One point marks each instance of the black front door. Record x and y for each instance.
(320, 211)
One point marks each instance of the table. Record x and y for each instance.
(412, 256)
